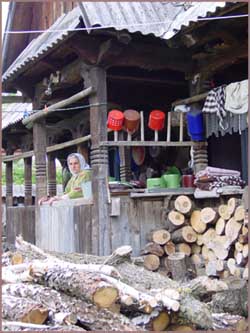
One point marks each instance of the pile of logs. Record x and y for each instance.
(213, 241)
(44, 291)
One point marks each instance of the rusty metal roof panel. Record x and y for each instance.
(13, 113)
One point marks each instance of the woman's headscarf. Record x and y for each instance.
(81, 159)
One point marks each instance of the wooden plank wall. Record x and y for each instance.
(64, 228)
(20, 220)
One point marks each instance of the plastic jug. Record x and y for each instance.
(195, 125)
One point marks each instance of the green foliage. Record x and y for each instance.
(18, 174)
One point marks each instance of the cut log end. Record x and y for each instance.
(196, 223)
(208, 215)
(151, 262)
(36, 316)
(161, 236)
(161, 322)
(183, 204)
(104, 297)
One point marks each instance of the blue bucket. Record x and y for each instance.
(195, 125)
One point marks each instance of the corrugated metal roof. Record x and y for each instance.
(184, 19)
(14, 112)
(131, 16)
(45, 42)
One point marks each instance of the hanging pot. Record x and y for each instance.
(115, 120)
(156, 120)
(131, 120)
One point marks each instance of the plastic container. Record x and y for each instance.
(115, 120)
(195, 125)
(154, 183)
(172, 180)
(156, 120)
(188, 181)
(87, 190)
(131, 120)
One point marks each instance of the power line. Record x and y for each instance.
(117, 26)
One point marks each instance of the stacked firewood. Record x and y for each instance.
(44, 291)
(215, 239)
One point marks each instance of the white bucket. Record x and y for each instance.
(87, 190)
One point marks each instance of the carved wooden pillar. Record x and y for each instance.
(28, 181)
(39, 135)
(9, 183)
(125, 161)
(101, 232)
(198, 85)
(51, 175)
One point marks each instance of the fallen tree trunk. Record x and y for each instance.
(23, 309)
(19, 326)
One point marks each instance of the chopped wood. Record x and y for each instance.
(17, 259)
(232, 204)
(231, 264)
(232, 229)
(183, 204)
(174, 220)
(220, 265)
(153, 248)
(195, 248)
(177, 265)
(196, 223)
(239, 213)
(219, 245)
(245, 273)
(224, 212)
(161, 322)
(23, 309)
(210, 234)
(196, 259)
(199, 240)
(245, 250)
(161, 236)
(185, 234)
(183, 247)
(238, 246)
(211, 268)
(156, 321)
(151, 262)
(220, 226)
(169, 248)
(208, 215)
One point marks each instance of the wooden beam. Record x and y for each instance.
(51, 174)
(145, 80)
(9, 183)
(146, 143)
(191, 100)
(14, 99)
(50, 149)
(44, 113)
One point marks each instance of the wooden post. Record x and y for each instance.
(51, 175)
(28, 181)
(39, 135)
(101, 231)
(9, 184)
(125, 161)
(169, 127)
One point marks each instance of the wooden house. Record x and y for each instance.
(96, 57)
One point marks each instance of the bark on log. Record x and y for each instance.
(233, 300)
(177, 266)
(153, 248)
(23, 309)
(183, 204)
(94, 318)
(19, 326)
(196, 222)
(185, 234)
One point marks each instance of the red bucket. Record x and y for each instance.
(131, 120)
(115, 120)
(156, 120)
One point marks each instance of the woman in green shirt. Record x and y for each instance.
(81, 173)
